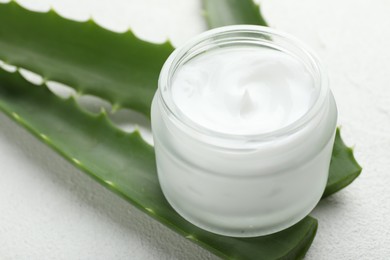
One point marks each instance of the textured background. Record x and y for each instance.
(50, 210)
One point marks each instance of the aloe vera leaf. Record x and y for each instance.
(344, 168)
(52, 124)
(228, 12)
(118, 67)
(125, 164)
(65, 51)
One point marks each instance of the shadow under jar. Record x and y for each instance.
(243, 123)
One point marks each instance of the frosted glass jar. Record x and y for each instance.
(250, 184)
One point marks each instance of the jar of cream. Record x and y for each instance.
(243, 123)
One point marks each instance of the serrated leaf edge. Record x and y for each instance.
(115, 103)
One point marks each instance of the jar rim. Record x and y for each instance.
(320, 81)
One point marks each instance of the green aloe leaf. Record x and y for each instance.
(118, 67)
(228, 12)
(125, 164)
(344, 169)
(126, 75)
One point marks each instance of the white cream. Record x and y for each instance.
(243, 90)
(243, 132)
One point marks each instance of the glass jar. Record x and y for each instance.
(243, 185)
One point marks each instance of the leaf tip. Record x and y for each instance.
(76, 161)
(44, 137)
(115, 107)
(103, 115)
(136, 133)
(71, 100)
(109, 183)
(168, 43)
(151, 211)
(16, 116)
(191, 237)
(79, 92)
(91, 21)
(130, 32)
(12, 2)
(52, 11)
(45, 80)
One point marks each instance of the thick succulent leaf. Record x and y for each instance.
(118, 67)
(228, 12)
(125, 164)
(344, 169)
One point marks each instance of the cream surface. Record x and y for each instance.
(243, 90)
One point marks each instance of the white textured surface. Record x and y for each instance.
(50, 210)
